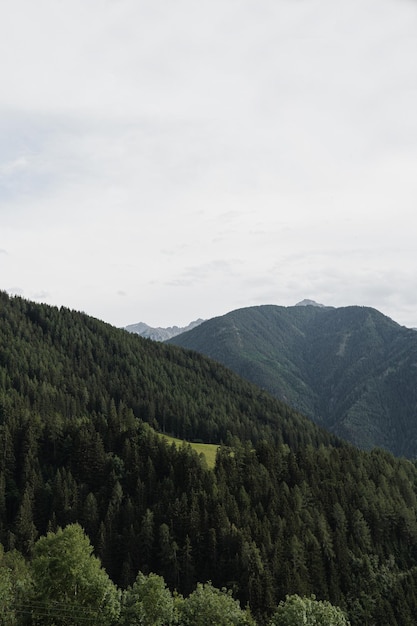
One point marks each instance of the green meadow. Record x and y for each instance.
(208, 450)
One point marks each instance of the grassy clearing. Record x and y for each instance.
(208, 450)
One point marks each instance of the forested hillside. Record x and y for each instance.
(351, 369)
(287, 508)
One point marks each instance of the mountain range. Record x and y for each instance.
(288, 508)
(158, 333)
(350, 369)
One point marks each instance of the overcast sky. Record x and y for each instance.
(162, 161)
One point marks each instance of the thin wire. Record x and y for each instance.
(58, 609)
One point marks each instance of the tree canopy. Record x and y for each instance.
(69, 583)
(295, 611)
(207, 606)
(148, 602)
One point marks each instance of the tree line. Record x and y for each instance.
(64, 584)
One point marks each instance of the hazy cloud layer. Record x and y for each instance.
(198, 157)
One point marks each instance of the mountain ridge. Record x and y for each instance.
(350, 369)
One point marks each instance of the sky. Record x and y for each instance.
(166, 161)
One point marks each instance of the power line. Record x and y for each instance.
(78, 614)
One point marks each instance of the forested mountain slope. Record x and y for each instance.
(61, 361)
(287, 508)
(351, 369)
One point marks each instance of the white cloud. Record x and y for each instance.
(196, 157)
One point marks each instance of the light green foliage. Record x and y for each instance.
(208, 605)
(15, 585)
(6, 597)
(297, 611)
(148, 602)
(70, 586)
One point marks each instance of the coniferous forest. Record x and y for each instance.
(288, 508)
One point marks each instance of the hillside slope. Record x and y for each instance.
(352, 369)
(287, 508)
(69, 362)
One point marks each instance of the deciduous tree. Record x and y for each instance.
(296, 610)
(148, 602)
(208, 605)
(70, 585)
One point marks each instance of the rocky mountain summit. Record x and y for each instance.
(307, 302)
(158, 333)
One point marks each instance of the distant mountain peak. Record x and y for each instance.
(160, 334)
(307, 302)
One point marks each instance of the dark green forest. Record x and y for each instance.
(350, 369)
(288, 508)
